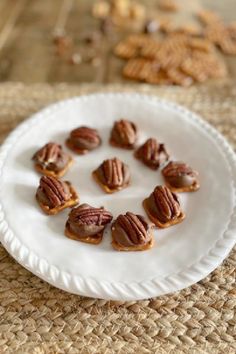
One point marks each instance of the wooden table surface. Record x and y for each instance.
(27, 53)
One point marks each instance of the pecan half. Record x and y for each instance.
(124, 134)
(51, 157)
(167, 203)
(86, 221)
(84, 138)
(88, 215)
(113, 173)
(53, 192)
(152, 154)
(131, 230)
(180, 176)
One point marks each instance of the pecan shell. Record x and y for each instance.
(152, 154)
(124, 133)
(54, 190)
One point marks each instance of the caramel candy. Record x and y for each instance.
(86, 223)
(180, 177)
(83, 140)
(124, 134)
(152, 154)
(163, 207)
(51, 160)
(131, 232)
(54, 195)
(112, 175)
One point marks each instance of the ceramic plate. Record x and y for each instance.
(182, 254)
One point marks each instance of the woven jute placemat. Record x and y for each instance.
(38, 318)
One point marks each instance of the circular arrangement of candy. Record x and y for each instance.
(130, 232)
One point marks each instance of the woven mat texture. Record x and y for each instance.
(38, 318)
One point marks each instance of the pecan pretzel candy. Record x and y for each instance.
(163, 207)
(86, 223)
(131, 232)
(83, 140)
(152, 154)
(54, 195)
(51, 160)
(124, 134)
(180, 177)
(112, 175)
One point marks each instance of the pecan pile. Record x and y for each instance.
(121, 12)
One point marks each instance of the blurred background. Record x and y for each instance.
(172, 42)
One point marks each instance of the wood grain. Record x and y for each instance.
(27, 53)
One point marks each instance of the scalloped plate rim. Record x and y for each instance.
(121, 290)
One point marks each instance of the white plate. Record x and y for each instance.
(182, 254)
